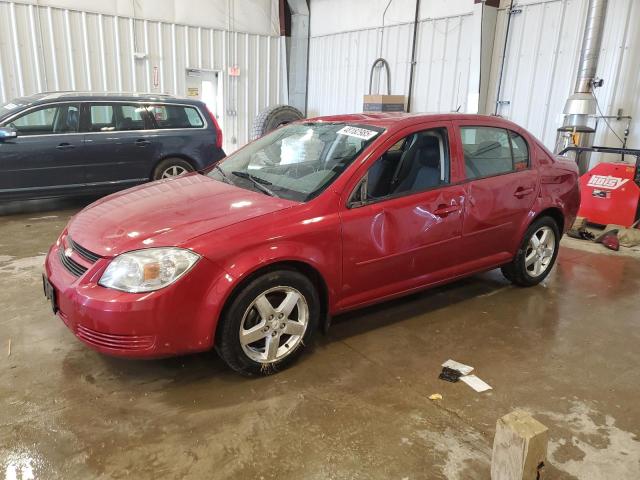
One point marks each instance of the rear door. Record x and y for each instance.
(47, 155)
(119, 143)
(185, 132)
(501, 188)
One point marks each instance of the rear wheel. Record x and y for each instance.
(537, 254)
(172, 167)
(269, 323)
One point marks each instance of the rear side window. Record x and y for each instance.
(492, 151)
(101, 118)
(117, 117)
(176, 116)
(131, 117)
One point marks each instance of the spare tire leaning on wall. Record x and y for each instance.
(273, 117)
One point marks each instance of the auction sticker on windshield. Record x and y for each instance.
(358, 132)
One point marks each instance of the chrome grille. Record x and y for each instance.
(83, 252)
(70, 264)
(117, 342)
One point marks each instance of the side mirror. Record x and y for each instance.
(7, 133)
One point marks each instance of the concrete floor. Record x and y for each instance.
(357, 408)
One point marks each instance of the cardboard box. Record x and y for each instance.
(383, 103)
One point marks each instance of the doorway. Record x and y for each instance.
(206, 86)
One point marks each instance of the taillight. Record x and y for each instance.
(217, 127)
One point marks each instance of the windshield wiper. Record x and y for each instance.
(225, 178)
(257, 181)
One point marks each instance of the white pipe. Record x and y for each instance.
(52, 44)
(72, 69)
(34, 43)
(16, 47)
(116, 36)
(103, 62)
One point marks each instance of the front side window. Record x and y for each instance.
(47, 120)
(176, 116)
(490, 151)
(296, 161)
(131, 117)
(416, 163)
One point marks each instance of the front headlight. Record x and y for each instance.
(147, 270)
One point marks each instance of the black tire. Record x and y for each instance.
(169, 163)
(273, 117)
(227, 341)
(516, 271)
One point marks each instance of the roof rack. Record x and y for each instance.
(88, 92)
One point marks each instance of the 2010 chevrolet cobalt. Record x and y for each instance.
(316, 218)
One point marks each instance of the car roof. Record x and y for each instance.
(65, 96)
(397, 120)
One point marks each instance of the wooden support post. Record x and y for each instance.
(519, 448)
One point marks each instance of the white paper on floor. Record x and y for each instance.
(461, 367)
(475, 383)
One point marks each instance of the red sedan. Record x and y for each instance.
(315, 218)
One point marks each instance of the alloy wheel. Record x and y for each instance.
(539, 252)
(173, 171)
(274, 324)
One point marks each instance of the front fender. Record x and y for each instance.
(245, 264)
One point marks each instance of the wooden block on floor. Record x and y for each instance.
(519, 447)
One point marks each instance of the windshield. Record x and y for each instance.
(8, 107)
(296, 162)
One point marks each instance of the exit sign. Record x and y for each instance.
(234, 71)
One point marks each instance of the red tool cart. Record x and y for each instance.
(610, 191)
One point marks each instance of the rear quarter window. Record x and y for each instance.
(520, 151)
(176, 116)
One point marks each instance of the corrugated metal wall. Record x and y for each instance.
(45, 49)
(339, 65)
(542, 58)
(539, 73)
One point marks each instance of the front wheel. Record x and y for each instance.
(537, 254)
(268, 323)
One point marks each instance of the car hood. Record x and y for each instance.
(165, 213)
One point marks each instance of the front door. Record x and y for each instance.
(404, 222)
(46, 156)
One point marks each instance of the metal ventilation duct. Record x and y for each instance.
(581, 103)
(591, 46)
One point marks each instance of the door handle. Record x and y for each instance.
(141, 142)
(443, 210)
(523, 192)
(65, 146)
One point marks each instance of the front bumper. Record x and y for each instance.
(177, 319)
